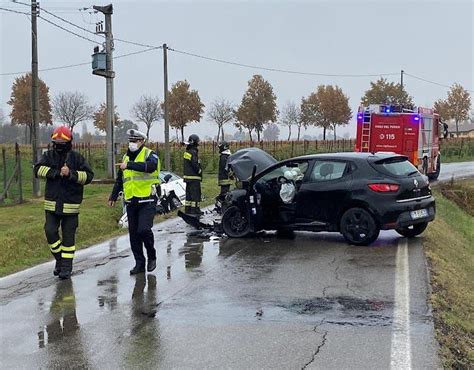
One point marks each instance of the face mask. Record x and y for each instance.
(133, 147)
(62, 147)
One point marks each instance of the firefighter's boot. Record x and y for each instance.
(57, 266)
(66, 268)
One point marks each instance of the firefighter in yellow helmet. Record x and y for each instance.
(66, 172)
(138, 178)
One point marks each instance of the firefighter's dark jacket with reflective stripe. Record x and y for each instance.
(223, 176)
(63, 195)
(143, 170)
(192, 168)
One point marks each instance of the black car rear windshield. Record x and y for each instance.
(398, 166)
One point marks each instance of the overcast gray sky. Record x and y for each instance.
(428, 39)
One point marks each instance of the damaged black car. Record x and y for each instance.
(356, 194)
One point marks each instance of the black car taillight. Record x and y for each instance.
(384, 188)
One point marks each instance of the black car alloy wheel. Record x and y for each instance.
(358, 227)
(235, 223)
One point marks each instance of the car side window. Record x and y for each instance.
(327, 170)
(294, 171)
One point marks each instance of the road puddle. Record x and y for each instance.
(344, 310)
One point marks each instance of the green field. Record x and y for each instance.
(449, 244)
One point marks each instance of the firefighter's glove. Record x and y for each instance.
(65, 171)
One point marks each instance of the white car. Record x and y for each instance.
(173, 194)
(173, 186)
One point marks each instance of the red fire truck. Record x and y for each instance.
(413, 133)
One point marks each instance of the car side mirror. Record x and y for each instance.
(168, 178)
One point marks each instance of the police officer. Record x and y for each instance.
(224, 180)
(192, 177)
(138, 178)
(66, 172)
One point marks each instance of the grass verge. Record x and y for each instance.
(22, 240)
(449, 243)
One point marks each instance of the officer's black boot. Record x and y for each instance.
(66, 268)
(57, 266)
(137, 270)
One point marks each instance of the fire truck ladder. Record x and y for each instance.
(365, 140)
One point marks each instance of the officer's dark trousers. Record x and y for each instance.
(66, 244)
(140, 221)
(193, 198)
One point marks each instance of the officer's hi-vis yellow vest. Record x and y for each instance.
(139, 184)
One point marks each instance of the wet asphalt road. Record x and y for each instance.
(308, 302)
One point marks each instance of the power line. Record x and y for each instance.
(13, 11)
(138, 43)
(89, 31)
(68, 22)
(21, 3)
(432, 82)
(81, 64)
(278, 69)
(67, 30)
(153, 47)
(422, 79)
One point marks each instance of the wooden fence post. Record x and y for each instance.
(4, 160)
(20, 181)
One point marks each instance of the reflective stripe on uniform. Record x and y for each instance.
(190, 203)
(68, 249)
(67, 255)
(43, 171)
(192, 177)
(70, 208)
(49, 205)
(187, 155)
(225, 182)
(55, 247)
(81, 177)
(71, 205)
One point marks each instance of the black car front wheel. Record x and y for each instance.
(235, 223)
(413, 230)
(359, 227)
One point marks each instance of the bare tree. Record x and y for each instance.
(221, 112)
(147, 110)
(291, 116)
(72, 108)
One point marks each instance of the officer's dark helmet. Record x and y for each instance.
(223, 146)
(193, 139)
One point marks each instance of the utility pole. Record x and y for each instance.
(34, 92)
(401, 77)
(109, 75)
(167, 126)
